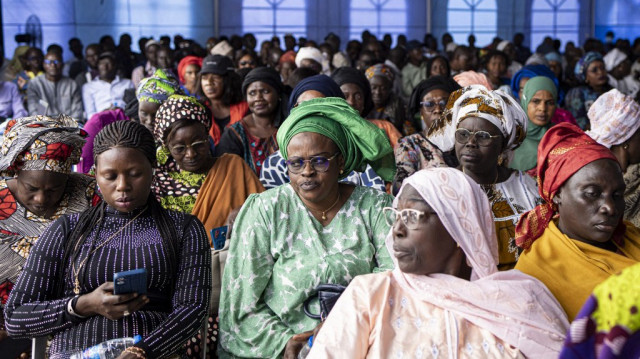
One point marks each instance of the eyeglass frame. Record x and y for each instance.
(472, 134)
(304, 163)
(172, 149)
(441, 103)
(399, 214)
(51, 62)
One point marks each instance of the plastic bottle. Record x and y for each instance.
(306, 348)
(110, 349)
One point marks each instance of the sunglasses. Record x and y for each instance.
(432, 104)
(483, 138)
(410, 217)
(245, 63)
(54, 62)
(318, 163)
(198, 146)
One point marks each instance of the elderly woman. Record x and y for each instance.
(608, 326)
(188, 69)
(274, 172)
(388, 106)
(539, 99)
(77, 256)
(312, 231)
(589, 70)
(254, 137)
(577, 238)
(615, 123)
(357, 91)
(445, 294)
(152, 92)
(36, 159)
(219, 86)
(484, 127)
(415, 152)
(189, 178)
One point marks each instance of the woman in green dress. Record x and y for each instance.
(313, 230)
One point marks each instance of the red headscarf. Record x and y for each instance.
(289, 56)
(186, 61)
(563, 151)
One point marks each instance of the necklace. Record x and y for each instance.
(76, 274)
(324, 213)
(489, 189)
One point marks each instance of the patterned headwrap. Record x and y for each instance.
(613, 58)
(157, 88)
(614, 118)
(186, 61)
(563, 151)
(498, 108)
(531, 71)
(360, 142)
(178, 107)
(583, 64)
(380, 70)
(40, 143)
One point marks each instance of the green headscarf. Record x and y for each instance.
(359, 141)
(526, 156)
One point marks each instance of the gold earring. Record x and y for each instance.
(341, 171)
(625, 146)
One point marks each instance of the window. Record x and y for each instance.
(379, 17)
(556, 18)
(478, 17)
(267, 18)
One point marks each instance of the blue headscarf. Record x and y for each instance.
(584, 62)
(531, 71)
(321, 83)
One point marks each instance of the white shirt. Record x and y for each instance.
(99, 95)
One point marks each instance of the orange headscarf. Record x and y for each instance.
(186, 61)
(563, 151)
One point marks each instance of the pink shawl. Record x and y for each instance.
(513, 306)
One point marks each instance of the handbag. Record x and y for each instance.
(218, 261)
(327, 295)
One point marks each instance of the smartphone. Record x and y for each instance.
(133, 281)
(219, 236)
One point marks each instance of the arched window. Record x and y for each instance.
(379, 17)
(556, 18)
(478, 17)
(267, 18)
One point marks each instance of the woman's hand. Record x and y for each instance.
(103, 302)
(231, 218)
(297, 342)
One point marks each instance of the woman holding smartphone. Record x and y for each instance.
(66, 288)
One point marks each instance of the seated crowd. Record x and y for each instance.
(310, 201)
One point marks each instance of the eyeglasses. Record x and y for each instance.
(410, 217)
(198, 146)
(318, 163)
(432, 104)
(49, 62)
(483, 138)
(245, 63)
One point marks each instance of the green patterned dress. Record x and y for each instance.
(279, 253)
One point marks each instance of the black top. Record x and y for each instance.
(172, 316)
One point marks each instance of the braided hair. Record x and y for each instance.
(124, 134)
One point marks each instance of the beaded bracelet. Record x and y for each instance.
(138, 352)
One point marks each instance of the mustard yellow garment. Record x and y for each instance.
(228, 184)
(571, 269)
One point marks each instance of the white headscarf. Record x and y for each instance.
(513, 306)
(613, 58)
(614, 118)
(313, 54)
(498, 108)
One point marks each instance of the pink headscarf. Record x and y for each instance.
(513, 306)
(469, 78)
